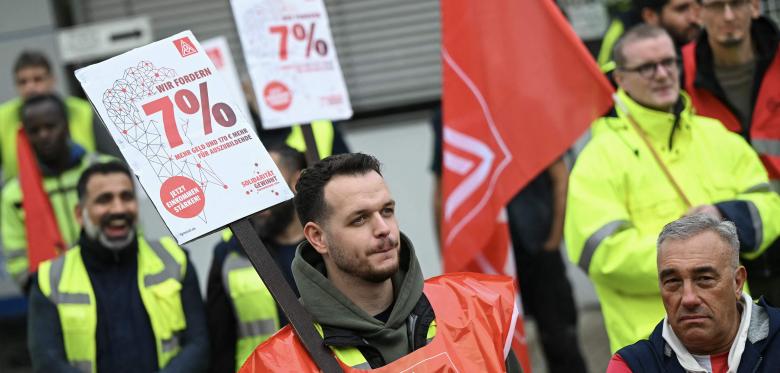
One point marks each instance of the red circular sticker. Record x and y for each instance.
(277, 96)
(182, 197)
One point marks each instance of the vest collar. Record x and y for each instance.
(657, 125)
(686, 359)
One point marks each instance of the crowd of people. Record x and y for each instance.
(671, 209)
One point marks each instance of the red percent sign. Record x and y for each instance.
(188, 103)
(301, 34)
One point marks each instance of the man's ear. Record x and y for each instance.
(316, 237)
(650, 17)
(740, 276)
(79, 211)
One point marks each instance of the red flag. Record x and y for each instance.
(44, 240)
(519, 89)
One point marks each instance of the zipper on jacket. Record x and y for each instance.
(411, 323)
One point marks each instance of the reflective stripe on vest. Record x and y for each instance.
(254, 306)
(595, 240)
(354, 358)
(161, 267)
(323, 136)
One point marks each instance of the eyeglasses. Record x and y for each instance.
(720, 6)
(648, 70)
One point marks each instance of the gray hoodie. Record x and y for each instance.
(330, 307)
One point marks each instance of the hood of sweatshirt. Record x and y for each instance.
(330, 307)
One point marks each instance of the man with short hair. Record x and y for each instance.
(61, 162)
(711, 325)
(116, 302)
(359, 278)
(241, 311)
(33, 76)
(732, 73)
(650, 161)
(680, 18)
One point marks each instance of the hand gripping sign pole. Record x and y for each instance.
(195, 155)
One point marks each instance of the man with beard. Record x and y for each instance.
(61, 162)
(241, 311)
(650, 161)
(116, 302)
(680, 18)
(359, 278)
(732, 73)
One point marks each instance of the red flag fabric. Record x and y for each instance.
(44, 240)
(519, 89)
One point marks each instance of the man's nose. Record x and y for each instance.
(381, 226)
(690, 297)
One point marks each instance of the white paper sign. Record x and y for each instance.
(218, 51)
(178, 126)
(292, 61)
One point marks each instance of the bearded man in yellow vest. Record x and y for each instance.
(116, 302)
(33, 76)
(241, 311)
(359, 278)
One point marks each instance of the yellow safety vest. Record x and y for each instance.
(323, 136)
(614, 32)
(79, 124)
(253, 305)
(161, 269)
(354, 358)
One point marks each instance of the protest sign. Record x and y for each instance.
(292, 61)
(178, 126)
(218, 51)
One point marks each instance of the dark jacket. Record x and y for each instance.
(124, 337)
(765, 38)
(761, 354)
(221, 318)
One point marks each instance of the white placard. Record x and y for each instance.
(178, 126)
(292, 61)
(218, 51)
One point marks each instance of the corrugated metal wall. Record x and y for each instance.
(389, 50)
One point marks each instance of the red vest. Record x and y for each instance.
(765, 124)
(475, 316)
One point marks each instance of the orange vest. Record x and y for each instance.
(765, 124)
(475, 317)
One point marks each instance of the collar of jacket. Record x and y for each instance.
(656, 124)
(765, 37)
(75, 154)
(98, 257)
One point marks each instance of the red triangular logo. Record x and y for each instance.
(185, 47)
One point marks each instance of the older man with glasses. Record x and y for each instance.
(732, 73)
(651, 161)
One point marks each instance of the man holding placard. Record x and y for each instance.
(359, 278)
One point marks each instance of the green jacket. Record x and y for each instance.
(80, 125)
(619, 200)
(63, 198)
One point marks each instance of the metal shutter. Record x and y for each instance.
(389, 50)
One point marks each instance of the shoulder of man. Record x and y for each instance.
(646, 354)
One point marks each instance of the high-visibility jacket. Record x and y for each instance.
(764, 133)
(79, 122)
(614, 32)
(161, 269)
(619, 200)
(323, 136)
(252, 302)
(475, 318)
(63, 198)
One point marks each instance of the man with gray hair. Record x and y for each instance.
(711, 325)
(652, 160)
